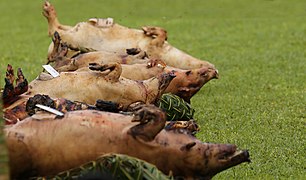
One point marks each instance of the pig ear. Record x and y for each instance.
(188, 72)
(188, 146)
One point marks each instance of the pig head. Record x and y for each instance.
(188, 82)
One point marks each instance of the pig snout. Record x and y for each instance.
(209, 73)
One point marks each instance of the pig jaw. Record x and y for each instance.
(225, 156)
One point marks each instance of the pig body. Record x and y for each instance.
(47, 145)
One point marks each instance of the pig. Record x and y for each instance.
(85, 87)
(48, 144)
(185, 85)
(62, 62)
(105, 35)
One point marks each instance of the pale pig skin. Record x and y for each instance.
(105, 35)
(47, 145)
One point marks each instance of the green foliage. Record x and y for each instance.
(258, 47)
(116, 166)
(175, 107)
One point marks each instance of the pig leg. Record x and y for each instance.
(54, 25)
(21, 83)
(137, 53)
(58, 56)
(8, 91)
(113, 74)
(191, 127)
(156, 62)
(11, 93)
(59, 50)
(151, 121)
(158, 34)
(65, 105)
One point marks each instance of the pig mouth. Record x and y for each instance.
(235, 157)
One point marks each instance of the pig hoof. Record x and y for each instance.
(103, 23)
(108, 106)
(48, 10)
(145, 113)
(190, 126)
(133, 51)
(10, 93)
(137, 52)
(21, 83)
(97, 67)
(156, 62)
(154, 31)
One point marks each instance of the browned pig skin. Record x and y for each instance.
(186, 83)
(87, 87)
(124, 91)
(61, 144)
(105, 35)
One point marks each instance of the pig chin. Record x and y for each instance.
(230, 159)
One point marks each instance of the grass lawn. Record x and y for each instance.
(259, 47)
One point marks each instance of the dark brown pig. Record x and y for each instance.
(45, 145)
(105, 35)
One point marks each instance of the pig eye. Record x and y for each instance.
(188, 72)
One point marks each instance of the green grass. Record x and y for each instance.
(259, 47)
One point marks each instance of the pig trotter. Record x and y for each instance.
(156, 62)
(158, 34)
(59, 51)
(108, 106)
(151, 121)
(60, 104)
(137, 52)
(21, 83)
(11, 93)
(133, 51)
(115, 70)
(38, 99)
(190, 126)
(50, 13)
(8, 92)
(10, 74)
